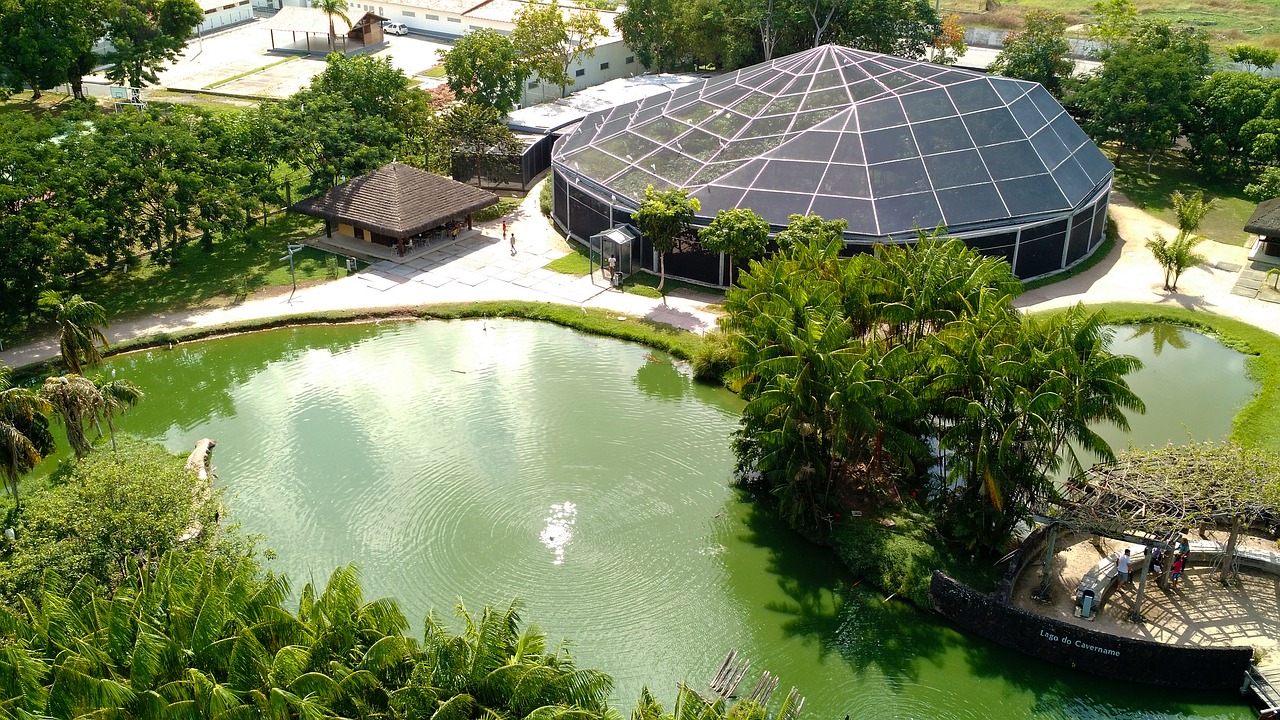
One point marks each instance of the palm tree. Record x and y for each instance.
(1175, 256)
(80, 324)
(24, 431)
(331, 8)
(77, 401)
(118, 397)
(1190, 210)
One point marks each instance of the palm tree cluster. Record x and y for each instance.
(198, 636)
(908, 373)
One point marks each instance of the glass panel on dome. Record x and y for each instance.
(595, 164)
(1010, 89)
(752, 104)
(746, 149)
(743, 177)
(975, 203)
(855, 75)
(992, 126)
(928, 70)
(1009, 160)
(712, 173)
(634, 181)
(661, 130)
(898, 178)
(783, 106)
(814, 145)
(1072, 136)
(849, 149)
(1049, 107)
(1075, 184)
(938, 136)
(907, 212)
(791, 175)
(671, 165)
(958, 168)
(806, 120)
(650, 112)
(728, 96)
(798, 86)
(826, 78)
(1095, 164)
(953, 76)
(860, 214)
(772, 125)
(893, 143)
(1025, 112)
(865, 90)
(1049, 146)
(698, 144)
(1034, 194)
(714, 199)
(776, 207)
(927, 105)
(831, 97)
(627, 146)
(725, 123)
(694, 113)
(776, 84)
(975, 94)
(894, 80)
(846, 181)
(880, 114)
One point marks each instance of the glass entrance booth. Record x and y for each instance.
(611, 251)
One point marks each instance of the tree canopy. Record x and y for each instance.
(1039, 52)
(485, 68)
(663, 217)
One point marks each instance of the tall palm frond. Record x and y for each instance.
(80, 324)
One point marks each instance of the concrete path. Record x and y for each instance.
(480, 267)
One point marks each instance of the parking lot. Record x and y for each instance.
(239, 61)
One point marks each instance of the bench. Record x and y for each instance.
(1103, 578)
(1204, 552)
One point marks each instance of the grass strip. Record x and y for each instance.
(1257, 424)
(247, 73)
(643, 283)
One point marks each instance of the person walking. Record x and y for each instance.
(1123, 565)
(513, 244)
(504, 229)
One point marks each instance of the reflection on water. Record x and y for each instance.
(434, 453)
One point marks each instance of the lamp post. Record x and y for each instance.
(292, 275)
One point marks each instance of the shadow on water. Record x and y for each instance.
(659, 378)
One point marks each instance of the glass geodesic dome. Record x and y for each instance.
(889, 144)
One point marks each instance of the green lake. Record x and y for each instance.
(485, 460)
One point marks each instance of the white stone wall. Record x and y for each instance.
(231, 11)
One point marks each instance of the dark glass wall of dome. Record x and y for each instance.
(889, 144)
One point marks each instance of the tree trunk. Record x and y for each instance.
(77, 87)
(662, 270)
(1228, 558)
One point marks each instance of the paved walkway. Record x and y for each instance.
(483, 267)
(480, 267)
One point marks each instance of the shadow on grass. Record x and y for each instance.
(1170, 171)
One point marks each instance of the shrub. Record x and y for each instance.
(544, 195)
(110, 505)
(714, 357)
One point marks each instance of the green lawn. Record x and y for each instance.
(1169, 172)
(638, 283)
(207, 278)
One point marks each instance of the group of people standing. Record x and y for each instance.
(1159, 556)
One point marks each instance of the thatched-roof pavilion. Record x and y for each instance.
(394, 203)
(1265, 223)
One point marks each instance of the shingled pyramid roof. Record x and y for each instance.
(884, 142)
(396, 200)
(1265, 219)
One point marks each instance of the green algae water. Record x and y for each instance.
(486, 460)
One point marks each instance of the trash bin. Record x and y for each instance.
(1086, 604)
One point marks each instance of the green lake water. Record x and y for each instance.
(486, 460)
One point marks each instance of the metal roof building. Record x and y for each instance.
(889, 144)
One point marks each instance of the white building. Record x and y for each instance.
(218, 13)
(451, 19)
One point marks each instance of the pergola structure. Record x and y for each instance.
(1153, 497)
(394, 203)
(357, 33)
(1265, 223)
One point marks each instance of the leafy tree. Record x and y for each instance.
(1190, 209)
(32, 51)
(147, 34)
(331, 8)
(550, 42)
(949, 46)
(737, 232)
(647, 29)
(1260, 59)
(1233, 120)
(1266, 187)
(77, 402)
(1039, 52)
(80, 323)
(477, 133)
(1141, 95)
(1175, 256)
(24, 431)
(484, 68)
(1114, 20)
(664, 216)
(810, 229)
(905, 28)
